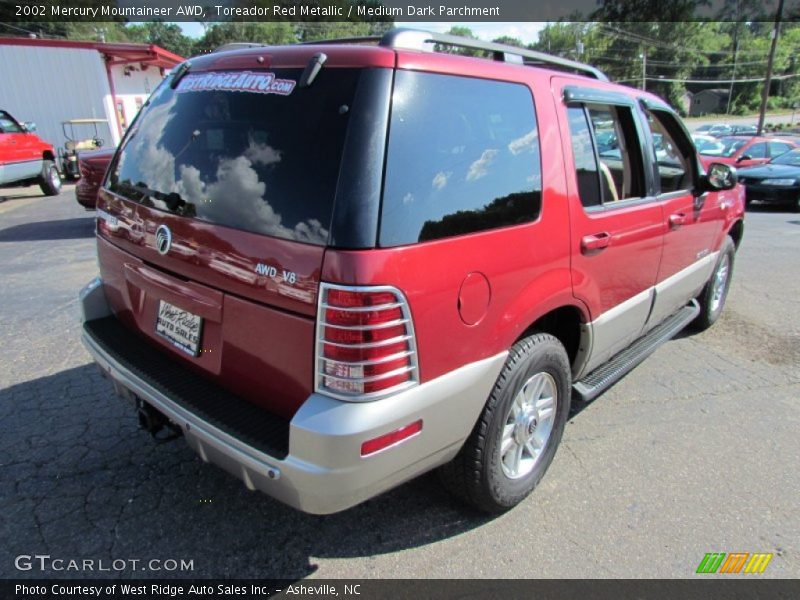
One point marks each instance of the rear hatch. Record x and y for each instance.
(215, 215)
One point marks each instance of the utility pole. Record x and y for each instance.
(644, 67)
(735, 56)
(768, 80)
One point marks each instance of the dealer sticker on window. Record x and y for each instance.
(236, 81)
(180, 327)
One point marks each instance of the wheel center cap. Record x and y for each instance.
(526, 426)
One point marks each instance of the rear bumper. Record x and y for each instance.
(323, 471)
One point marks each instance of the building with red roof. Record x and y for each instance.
(50, 81)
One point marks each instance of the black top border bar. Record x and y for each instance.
(19, 11)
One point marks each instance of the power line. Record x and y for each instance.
(10, 26)
(672, 80)
(639, 39)
(661, 63)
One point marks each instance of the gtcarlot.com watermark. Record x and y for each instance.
(47, 563)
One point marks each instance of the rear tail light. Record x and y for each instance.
(365, 342)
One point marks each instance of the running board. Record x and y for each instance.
(596, 382)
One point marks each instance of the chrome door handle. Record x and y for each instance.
(595, 242)
(676, 220)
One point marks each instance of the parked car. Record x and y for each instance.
(715, 129)
(438, 260)
(777, 182)
(92, 167)
(26, 159)
(746, 151)
(744, 130)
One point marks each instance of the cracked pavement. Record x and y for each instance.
(695, 451)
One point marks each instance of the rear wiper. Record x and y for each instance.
(182, 70)
(312, 69)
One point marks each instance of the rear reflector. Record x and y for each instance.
(390, 439)
(365, 342)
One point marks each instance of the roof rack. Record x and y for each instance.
(414, 39)
(237, 46)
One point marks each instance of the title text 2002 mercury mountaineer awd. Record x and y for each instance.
(334, 267)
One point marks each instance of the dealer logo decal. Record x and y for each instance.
(236, 81)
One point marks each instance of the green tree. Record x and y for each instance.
(566, 39)
(459, 31)
(168, 36)
(510, 41)
(274, 33)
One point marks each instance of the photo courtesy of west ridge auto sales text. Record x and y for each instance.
(392, 299)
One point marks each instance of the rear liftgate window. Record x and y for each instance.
(249, 150)
(463, 156)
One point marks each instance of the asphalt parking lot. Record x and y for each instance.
(695, 451)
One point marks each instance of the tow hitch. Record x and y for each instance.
(153, 422)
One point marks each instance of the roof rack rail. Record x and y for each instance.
(414, 39)
(236, 46)
(363, 39)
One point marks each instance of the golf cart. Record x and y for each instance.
(77, 132)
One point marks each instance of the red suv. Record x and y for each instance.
(26, 159)
(335, 267)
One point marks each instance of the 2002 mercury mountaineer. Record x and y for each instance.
(335, 267)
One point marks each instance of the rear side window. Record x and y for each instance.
(778, 148)
(463, 156)
(248, 150)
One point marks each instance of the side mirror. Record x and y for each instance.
(29, 126)
(720, 177)
(744, 157)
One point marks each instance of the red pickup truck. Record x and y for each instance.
(334, 267)
(25, 159)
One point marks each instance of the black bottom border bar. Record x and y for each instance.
(702, 588)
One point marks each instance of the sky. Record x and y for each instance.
(527, 32)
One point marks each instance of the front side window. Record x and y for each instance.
(607, 153)
(463, 156)
(8, 124)
(672, 151)
(756, 151)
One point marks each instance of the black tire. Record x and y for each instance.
(711, 309)
(50, 180)
(477, 475)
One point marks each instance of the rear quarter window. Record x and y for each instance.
(463, 156)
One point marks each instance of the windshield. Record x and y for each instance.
(729, 146)
(791, 158)
(248, 150)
